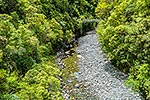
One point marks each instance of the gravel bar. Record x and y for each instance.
(103, 79)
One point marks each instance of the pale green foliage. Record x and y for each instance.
(125, 36)
(1, 54)
(103, 8)
(9, 97)
(40, 83)
(31, 32)
(2, 80)
(140, 80)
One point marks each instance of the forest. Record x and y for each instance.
(32, 31)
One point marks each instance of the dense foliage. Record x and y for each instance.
(125, 35)
(31, 31)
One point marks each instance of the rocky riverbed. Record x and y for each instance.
(96, 78)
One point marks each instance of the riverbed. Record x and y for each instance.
(95, 78)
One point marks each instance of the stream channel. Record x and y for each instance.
(87, 74)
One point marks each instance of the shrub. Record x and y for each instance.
(139, 79)
(124, 34)
(41, 82)
(31, 32)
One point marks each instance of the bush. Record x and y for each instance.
(125, 35)
(139, 79)
(31, 32)
(41, 82)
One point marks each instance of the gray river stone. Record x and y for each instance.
(101, 77)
